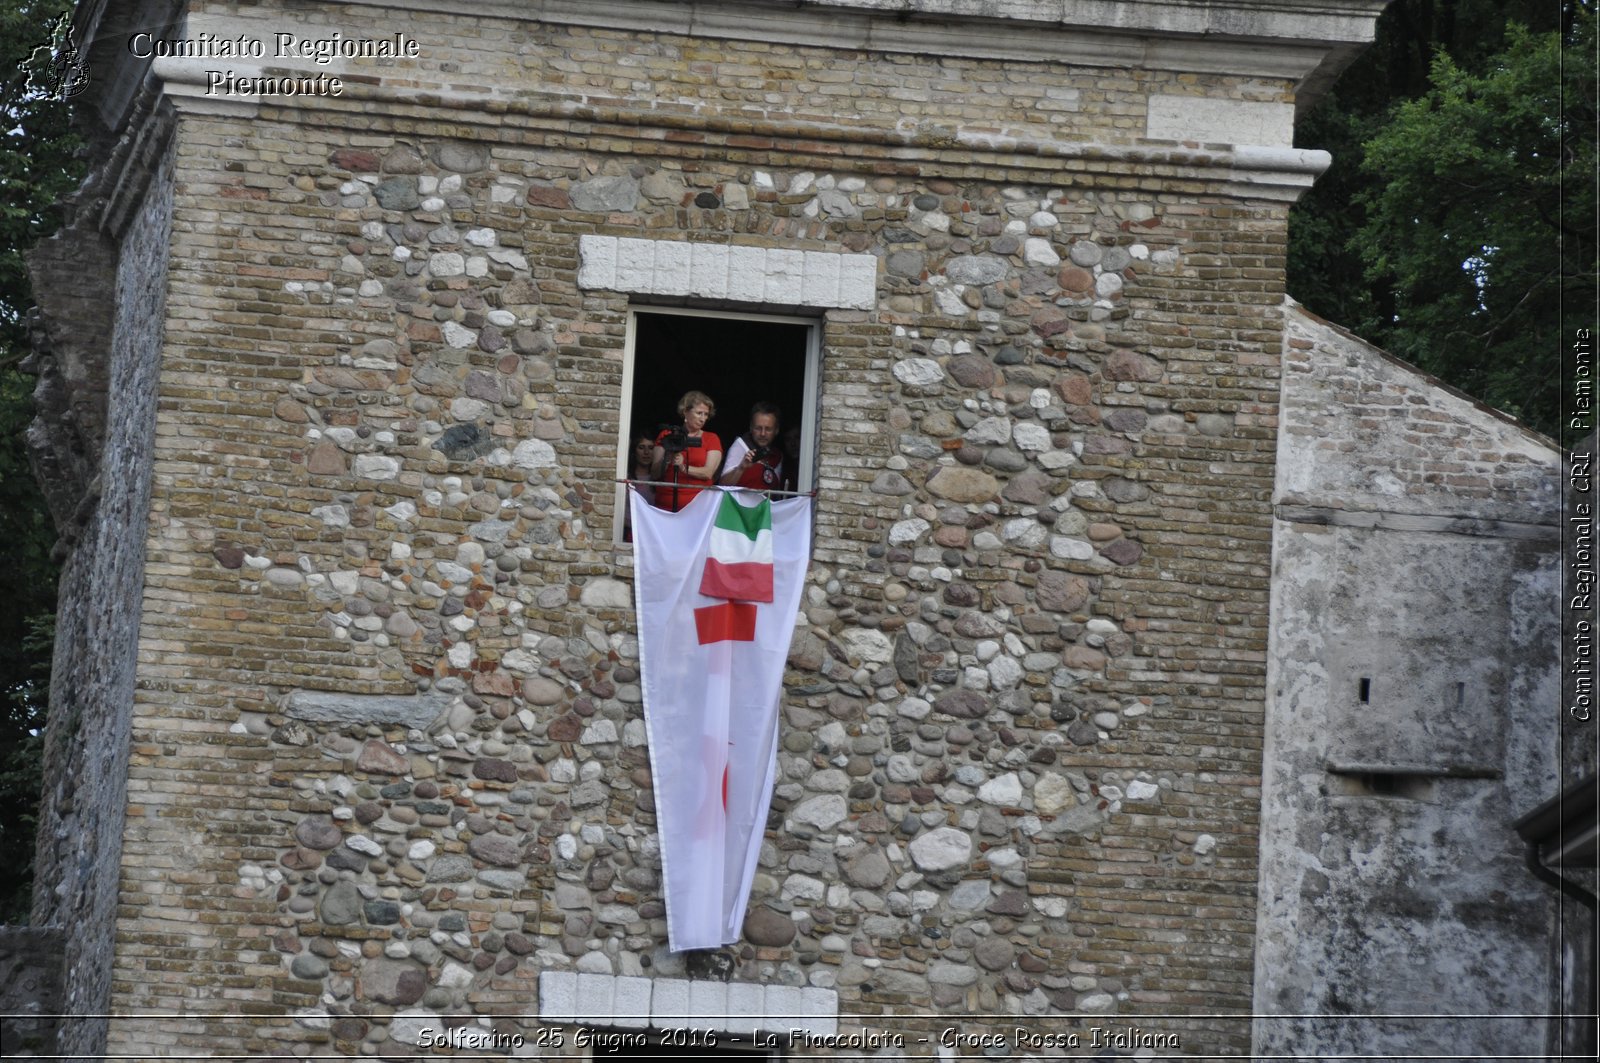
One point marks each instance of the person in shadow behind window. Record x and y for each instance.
(791, 467)
(644, 449)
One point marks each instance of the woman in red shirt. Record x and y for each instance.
(690, 468)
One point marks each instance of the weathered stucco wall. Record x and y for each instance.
(1412, 712)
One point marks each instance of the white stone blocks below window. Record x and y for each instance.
(634, 1003)
(766, 275)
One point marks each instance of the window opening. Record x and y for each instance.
(1366, 690)
(738, 360)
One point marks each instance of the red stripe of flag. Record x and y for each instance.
(729, 622)
(746, 581)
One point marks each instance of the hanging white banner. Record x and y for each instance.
(712, 672)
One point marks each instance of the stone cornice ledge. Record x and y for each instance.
(1256, 171)
(1305, 41)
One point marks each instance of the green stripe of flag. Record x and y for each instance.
(749, 521)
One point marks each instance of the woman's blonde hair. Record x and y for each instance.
(696, 398)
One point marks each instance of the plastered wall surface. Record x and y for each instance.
(1410, 714)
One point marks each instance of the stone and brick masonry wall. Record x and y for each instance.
(80, 830)
(1367, 432)
(1021, 738)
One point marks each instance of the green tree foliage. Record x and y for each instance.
(1479, 220)
(37, 167)
(1457, 218)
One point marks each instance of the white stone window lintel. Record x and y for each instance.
(824, 280)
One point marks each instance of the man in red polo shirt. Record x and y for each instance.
(755, 460)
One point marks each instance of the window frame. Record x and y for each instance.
(811, 387)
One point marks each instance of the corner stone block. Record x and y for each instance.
(747, 1006)
(595, 1002)
(778, 276)
(630, 1003)
(558, 996)
(858, 282)
(708, 1005)
(785, 277)
(820, 286)
(784, 1009)
(669, 1002)
(1207, 119)
(708, 270)
(747, 274)
(322, 706)
(636, 264)
(597, 258)
(606, 594)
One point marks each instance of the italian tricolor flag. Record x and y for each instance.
(739, 562)
(718, 589)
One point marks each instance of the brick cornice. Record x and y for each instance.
(1250, 171)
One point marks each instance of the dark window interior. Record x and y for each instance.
(1397, 784)
(736, 362)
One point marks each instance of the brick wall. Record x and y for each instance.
(1372, 431)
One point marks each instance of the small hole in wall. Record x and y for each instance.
(1394, 784)
(1400, 784)
(1461, 695)
(1381, 783)
(1366, 690)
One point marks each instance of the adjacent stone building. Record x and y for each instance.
(347, 740)
(1412, 714)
